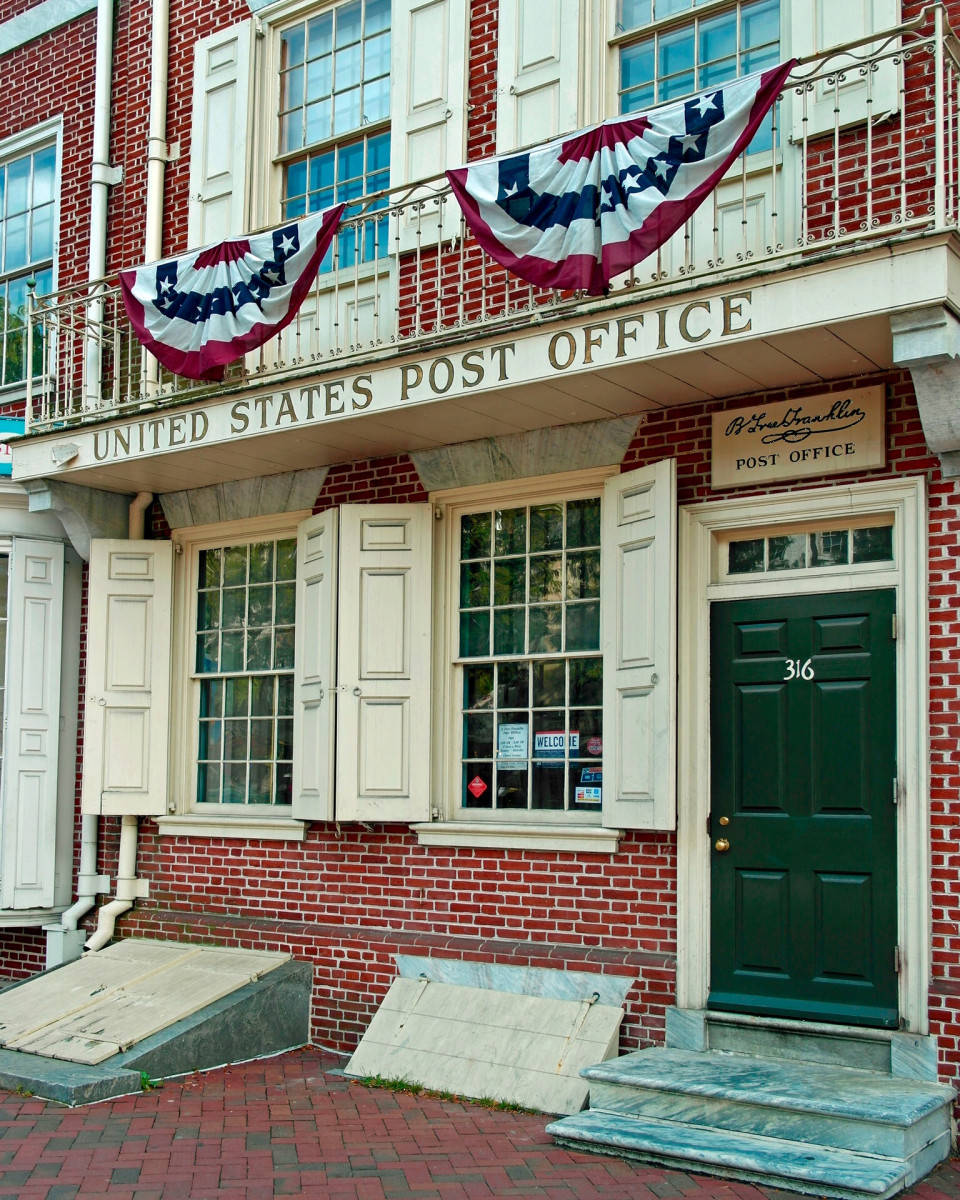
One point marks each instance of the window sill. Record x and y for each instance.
(590, 839)
(278, 829)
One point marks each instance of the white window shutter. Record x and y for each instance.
(539, 71)
(383, 663)
(127, 704)
(314, 690)
(815, 26)
(428, 105)
(638, 599)
(219, 139)
(32, 717)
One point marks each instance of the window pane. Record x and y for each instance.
(348, 23)
(546, 577)
(377, 16)
(508, 630)
(510, 581)
(513, 685)
(786, 553)
(583, 575)
(475, 584)
(474, 634)
(549, 683)
(291, 46)
(511, 531)
(633, 13)
(477, 785)
(873, 545)
(583, 523)
(546, 527)
(760, 23)
(545, 629)
(586, 681)
(44, 175)
(18, 185)
(583, 626)
(718, 37)
(675, 52)
(478, 686)
(478, 735)
(745, 557)
(475, 535)
(828, 549)
(320, 35)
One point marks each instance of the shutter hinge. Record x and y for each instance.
(893, 626)
(438, 512)
(897, 960)
(896, 790)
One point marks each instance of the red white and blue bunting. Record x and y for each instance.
(203, 309)
(584, 208)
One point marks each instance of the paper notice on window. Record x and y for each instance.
(513, 744)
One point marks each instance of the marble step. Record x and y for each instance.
(821, 1170)
(842, 1107)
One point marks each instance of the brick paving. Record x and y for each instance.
(288, 1127)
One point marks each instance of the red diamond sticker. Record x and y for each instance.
(476, 787)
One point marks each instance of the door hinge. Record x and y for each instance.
(897, 960)
(896, 790)
(893, 626)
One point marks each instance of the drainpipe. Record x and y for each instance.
(102, 177)
(157, 153)
(129, 887)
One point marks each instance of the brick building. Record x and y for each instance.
(626, 632)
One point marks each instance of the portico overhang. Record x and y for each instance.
(806, 323)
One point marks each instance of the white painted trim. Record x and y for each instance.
(905, 499)
(593, 839)
(280, 829)
(40, 19)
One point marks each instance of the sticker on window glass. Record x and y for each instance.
(513, 741)
(594, 745)
(591, 775)
(587, 795)
(551, 743)
(476, 787)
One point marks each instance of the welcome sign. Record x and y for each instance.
(818, 435)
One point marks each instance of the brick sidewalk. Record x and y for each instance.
(286, 1127)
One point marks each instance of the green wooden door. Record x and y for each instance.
(803, 730)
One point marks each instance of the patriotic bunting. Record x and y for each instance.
(202, 310)
(578, 211)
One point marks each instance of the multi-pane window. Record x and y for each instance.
(28, 188)
(529, 650)
(246, 608)
(681, 47)
(797, 550)
(334, 114)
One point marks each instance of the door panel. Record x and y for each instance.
(803, 734)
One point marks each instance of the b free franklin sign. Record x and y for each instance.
(818, 435)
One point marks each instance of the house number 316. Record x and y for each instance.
(799, 670)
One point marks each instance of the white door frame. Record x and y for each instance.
(905, 500)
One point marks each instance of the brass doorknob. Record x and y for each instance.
(721, 845)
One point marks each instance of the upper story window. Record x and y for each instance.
(334, 118)
(673, 48)
(28, 195)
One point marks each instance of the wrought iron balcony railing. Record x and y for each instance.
(864, 145)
